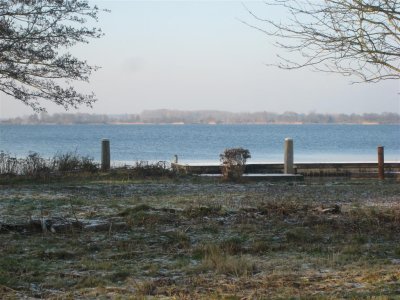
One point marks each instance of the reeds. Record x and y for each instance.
(35, 165)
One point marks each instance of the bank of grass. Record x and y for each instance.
(71, 166)
(204, 239)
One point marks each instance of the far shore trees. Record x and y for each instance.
(358, 38)
(205, 117)
(35, 64)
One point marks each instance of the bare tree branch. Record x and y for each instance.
(352, 37)
(35, 36)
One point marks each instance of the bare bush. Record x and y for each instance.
(36, 166)
(71, 161)
(146, 169)
(234, 162)
(8, 164)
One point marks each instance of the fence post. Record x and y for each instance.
(381, 163)
(105, 155)
(288, 156)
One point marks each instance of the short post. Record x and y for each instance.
(105, 155)
(381, 163)
(288, 157)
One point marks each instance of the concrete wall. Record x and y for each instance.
(306, 169)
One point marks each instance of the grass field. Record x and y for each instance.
(199, 238)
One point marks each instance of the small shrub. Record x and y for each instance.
(66, 161)
(143, 169)
(234, 163)
(34, 165)
(8, 164)
(70, 161)
(87, 164)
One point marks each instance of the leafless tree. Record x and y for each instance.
(35, 36)
(351, 37)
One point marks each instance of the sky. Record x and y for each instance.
(198, 55)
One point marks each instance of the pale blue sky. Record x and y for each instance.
(193, 55)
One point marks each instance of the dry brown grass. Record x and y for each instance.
(204, 240)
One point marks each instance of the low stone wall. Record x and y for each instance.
(345, 169)
(307, 169)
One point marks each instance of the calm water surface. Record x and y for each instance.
(204, 143)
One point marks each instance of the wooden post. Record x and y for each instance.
(381, 163)
(288, 157)
(105, 155)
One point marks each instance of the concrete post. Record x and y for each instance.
(288, 157)
(381, 163)
(105, 155)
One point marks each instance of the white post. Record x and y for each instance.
(288, 157)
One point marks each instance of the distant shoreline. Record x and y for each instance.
(182, 124)
(208, 117)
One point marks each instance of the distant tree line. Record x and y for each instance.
(165, 116)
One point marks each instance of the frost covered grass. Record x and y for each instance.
(199, 238)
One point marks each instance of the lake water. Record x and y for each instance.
(204, 143)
